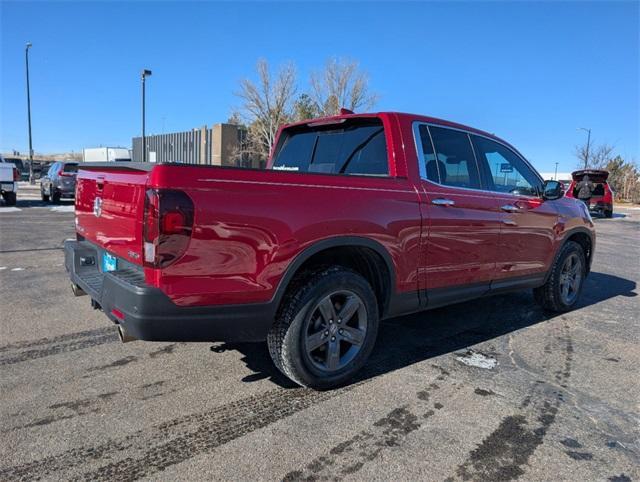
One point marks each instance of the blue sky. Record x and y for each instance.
(529, 72)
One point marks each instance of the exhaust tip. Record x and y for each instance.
(125, 337)
(76, 290)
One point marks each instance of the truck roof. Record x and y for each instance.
(406, 117)
(400, 115)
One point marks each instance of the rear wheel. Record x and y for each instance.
(10, 198)
(325, 329)
(562, 290)
(608, 213)
(55, 195)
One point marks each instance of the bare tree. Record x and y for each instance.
(594, 157)
(266, 105)
(341, 84)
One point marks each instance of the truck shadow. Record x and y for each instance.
(418, 337)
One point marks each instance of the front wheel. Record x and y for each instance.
(563, 287)
(45, 197)
(325, 329)
(608, 213)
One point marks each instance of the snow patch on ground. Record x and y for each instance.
(63, 209)
(10, 209)
(475, 359)
(17, 269)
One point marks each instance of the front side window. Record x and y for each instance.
(507, 173)
(354, 147)
(70, 168)
(454, 160)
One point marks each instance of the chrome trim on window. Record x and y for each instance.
(422, 168)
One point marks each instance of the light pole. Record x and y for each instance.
(586, 156)
(555, 176)
(145, 73)
(32, 179)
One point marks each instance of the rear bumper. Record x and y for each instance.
(146, 313)
(600, 206)
(66, 191)
(8, 186)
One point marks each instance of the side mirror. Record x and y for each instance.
(552, 190)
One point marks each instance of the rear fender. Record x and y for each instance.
(336, 242)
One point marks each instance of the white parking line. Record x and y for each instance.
(63, 209)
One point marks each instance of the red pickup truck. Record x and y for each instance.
(357, 218)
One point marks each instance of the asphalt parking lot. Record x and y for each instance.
(493, 389)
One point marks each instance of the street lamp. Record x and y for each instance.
(555, 176)
(32, 179)
(145, 73)
(586, 157)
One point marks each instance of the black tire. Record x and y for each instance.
(55, 196)
(45, 197)
(552, 295)
(10, 198)
(301, 312)
(608, 213)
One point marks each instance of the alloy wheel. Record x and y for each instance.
(335, 331)
(570, 279)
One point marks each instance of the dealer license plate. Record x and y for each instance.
(109, 262)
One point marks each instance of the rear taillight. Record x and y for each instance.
(66, 174)
(168, 222)
(16, 174)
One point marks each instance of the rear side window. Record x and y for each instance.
(70, 168)
(354, 147)
(428, 157)
(454, 160)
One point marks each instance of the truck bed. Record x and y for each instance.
(249, 224)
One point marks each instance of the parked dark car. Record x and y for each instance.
(59, 182)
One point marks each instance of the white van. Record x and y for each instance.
(106, 154)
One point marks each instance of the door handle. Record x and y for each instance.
(443, 202)
(510, 208)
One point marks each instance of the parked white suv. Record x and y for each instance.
(9, 176)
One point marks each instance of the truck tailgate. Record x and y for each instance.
(110, 206)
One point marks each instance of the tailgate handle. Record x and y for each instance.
(100, 182)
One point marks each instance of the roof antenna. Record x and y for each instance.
(344, 111)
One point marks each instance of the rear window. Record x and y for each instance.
(356, 146)
(70, 168)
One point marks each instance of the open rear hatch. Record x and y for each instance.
(110, 204)
(596, 175)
